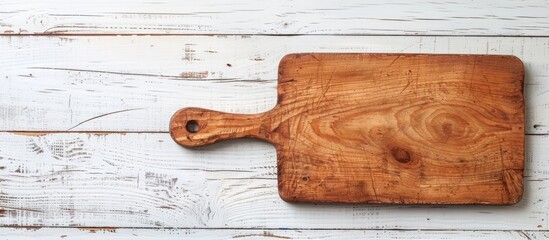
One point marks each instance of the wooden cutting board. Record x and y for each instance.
(386, 128)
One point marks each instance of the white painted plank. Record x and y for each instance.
(485, 17)
(248, 234)
(146, 180)
(111, 83)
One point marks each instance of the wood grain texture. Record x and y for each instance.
(247, 234)
(135, 84)
(146, 180)
(96, 83)
(391, 17)
(386, 128)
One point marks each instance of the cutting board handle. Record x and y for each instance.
(194, 127)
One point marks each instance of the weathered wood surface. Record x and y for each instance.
(392, 17)
(247, 234)
(135, 84)
(386, 128)
(146, 180)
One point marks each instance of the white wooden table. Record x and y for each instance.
(87, 90)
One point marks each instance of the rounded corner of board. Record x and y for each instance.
(517, 61)
(285, 196)
(286, 58)
(517, 199)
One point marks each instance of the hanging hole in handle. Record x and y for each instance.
(192, 126)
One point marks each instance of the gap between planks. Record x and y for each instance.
(42, 133)
(108, 228)
(260, 35)
(91, 233)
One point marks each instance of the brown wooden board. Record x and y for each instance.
(386, 128)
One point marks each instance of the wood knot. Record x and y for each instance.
(400, 155)
(450, 128)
